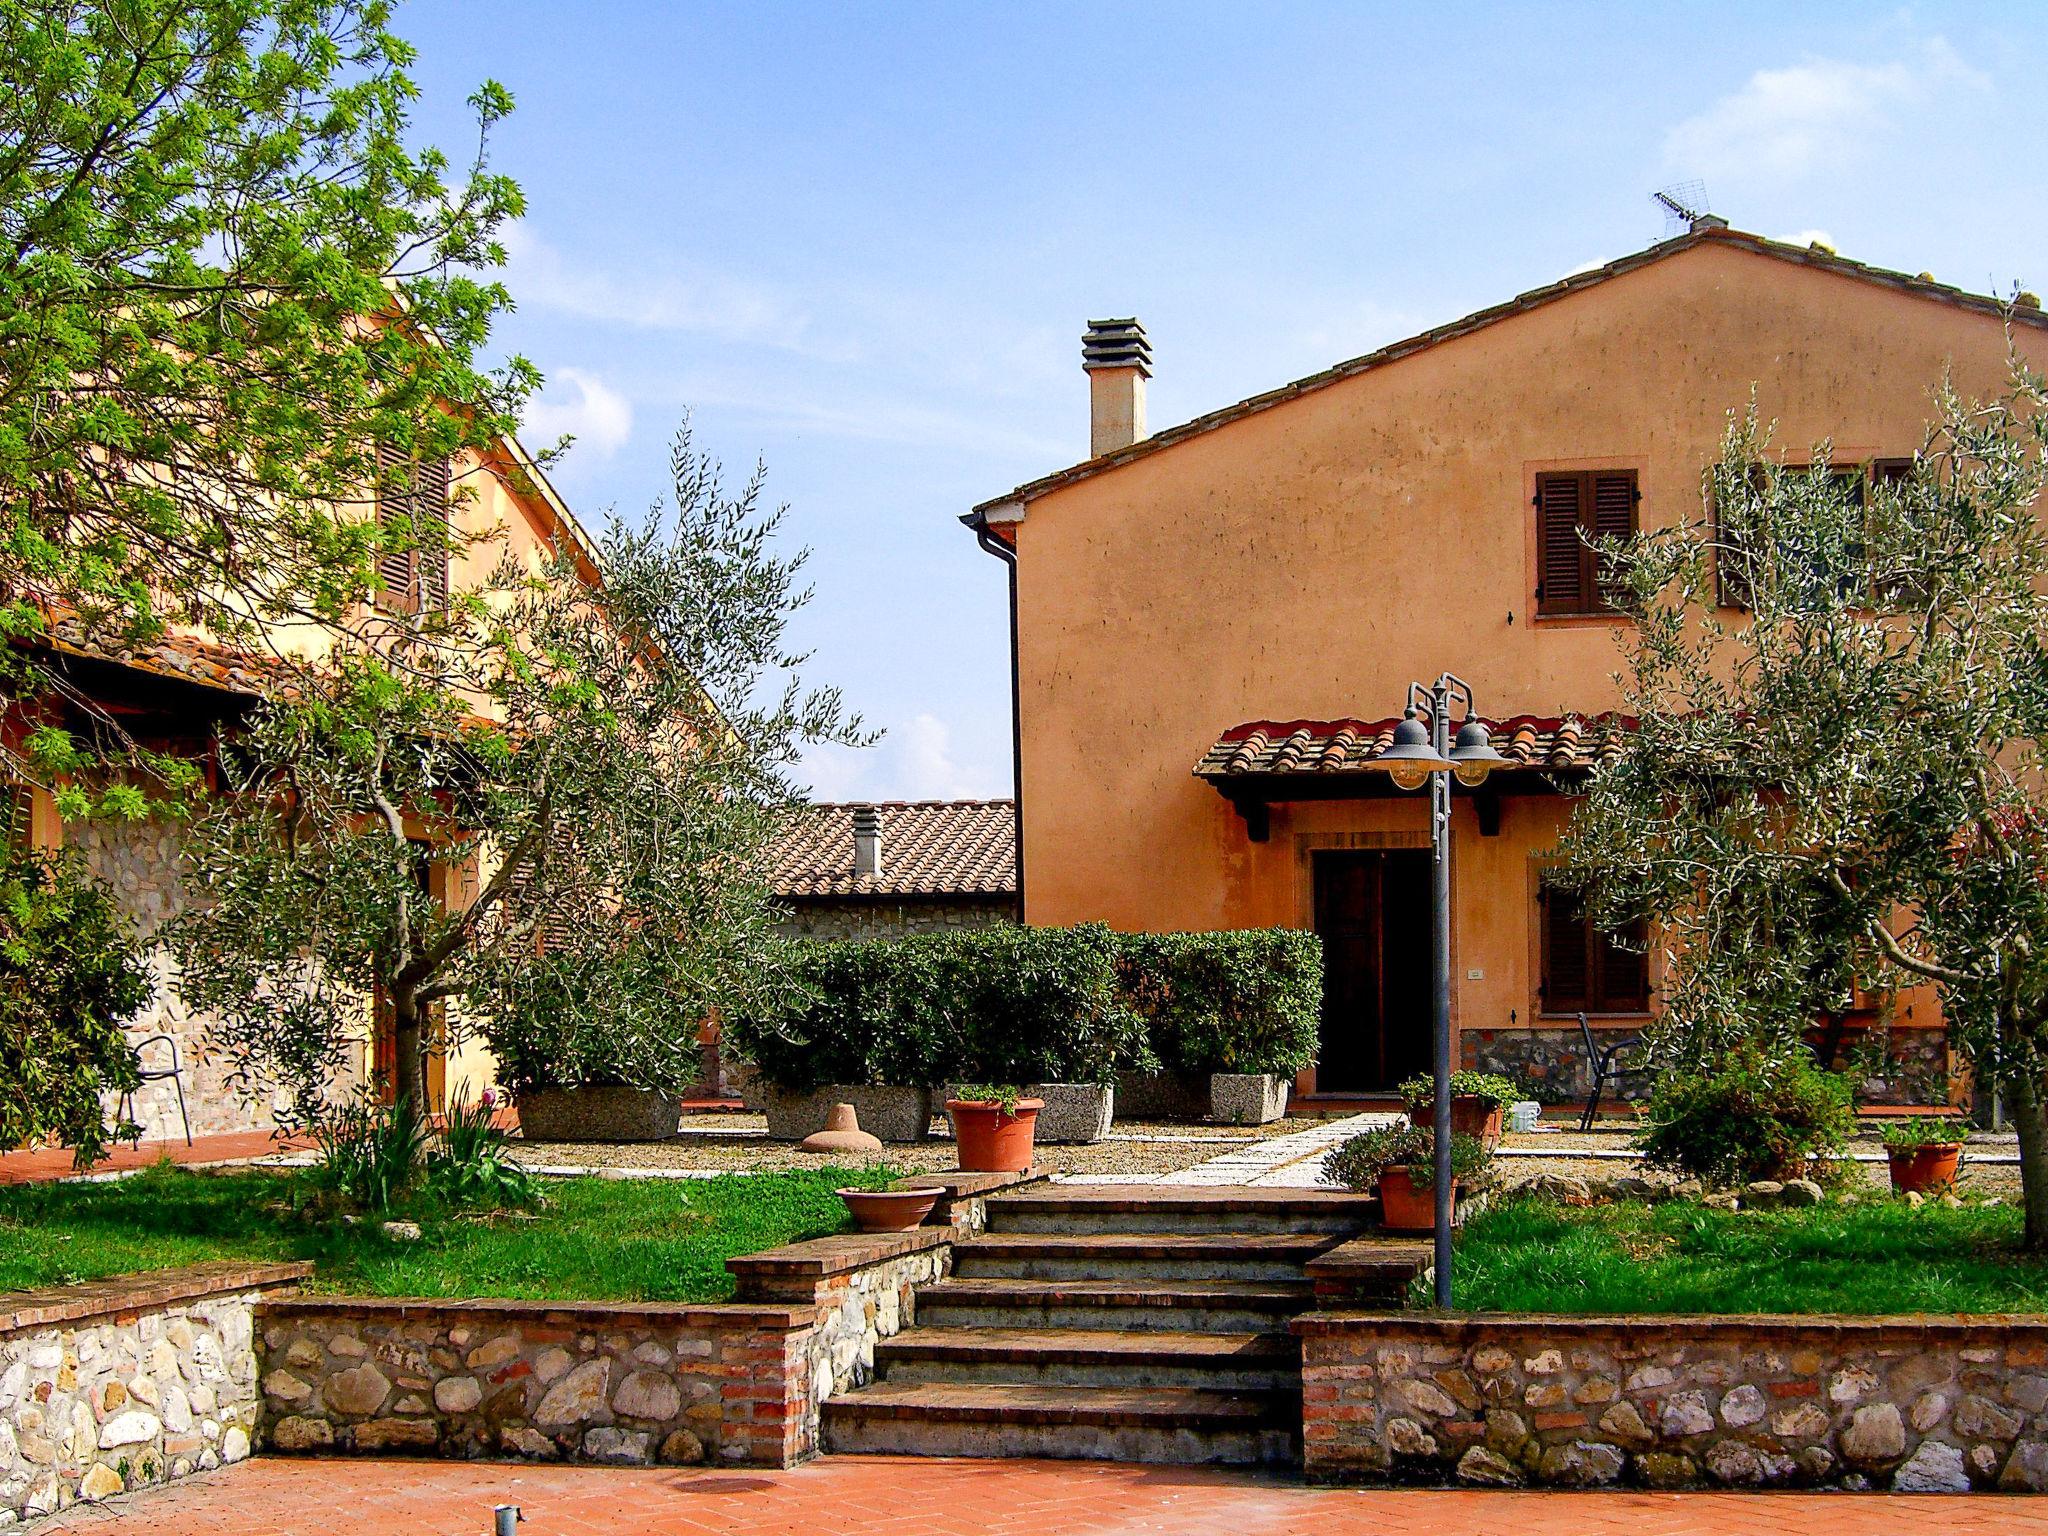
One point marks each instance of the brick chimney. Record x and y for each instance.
(867, 840)
(1118, 361)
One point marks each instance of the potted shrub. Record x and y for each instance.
(1478, 1101)
(994, 1128)
(1925, 1155)
(1399, 1162)
(592, 1053)
(1239, 1009)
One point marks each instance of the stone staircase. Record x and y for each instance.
(1125, 1322)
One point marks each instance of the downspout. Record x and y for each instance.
(1003, 552)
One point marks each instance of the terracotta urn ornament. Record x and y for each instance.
(842, 1133)
(890, 1210)
(995, 1132)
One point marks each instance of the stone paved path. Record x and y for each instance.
(1285, 1162)
(873, 1496)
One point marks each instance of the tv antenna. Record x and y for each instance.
(1684, 206)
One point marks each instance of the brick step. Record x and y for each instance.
(1075, 1210)
(1204, 1306)
(1140, 1255)
(1158, 1424)
(1092, 1357)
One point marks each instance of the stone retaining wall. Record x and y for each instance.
(629, 1383)
(121, 1383)
(1910, 1403)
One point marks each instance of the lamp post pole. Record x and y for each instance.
(1440, 935)
(1416, 755)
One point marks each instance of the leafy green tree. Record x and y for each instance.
(225, 279)
(1843, 784)
(615, 757)
(71, 975)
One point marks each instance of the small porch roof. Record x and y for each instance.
(1261, 761)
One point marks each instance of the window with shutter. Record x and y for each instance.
(412, 500)
(1588, 970)
(1572, 508)
(430, 515)
(394, 511)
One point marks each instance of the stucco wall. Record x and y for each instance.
(1310, 560)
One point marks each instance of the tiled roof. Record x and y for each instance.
(183, 657)
(1799, 255)
(929, 848)
(1567, 744)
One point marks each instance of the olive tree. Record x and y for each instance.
(1840, 782)
(608, 750)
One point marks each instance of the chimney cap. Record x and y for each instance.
(1116, 344)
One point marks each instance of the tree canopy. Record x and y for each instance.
(1839, 782)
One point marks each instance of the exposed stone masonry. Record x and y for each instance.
(117, 1385)
(877, 918)
(1921, 1405)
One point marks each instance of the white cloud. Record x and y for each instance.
(1808, 237)
(915, 761)
(699, 300)
(1815, 116)
(600, 418)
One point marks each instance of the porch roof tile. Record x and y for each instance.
(1552, 744)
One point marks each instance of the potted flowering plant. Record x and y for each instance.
(1400, 1161)
(995, 1128)
(1925, 1155)
(1477, 1101)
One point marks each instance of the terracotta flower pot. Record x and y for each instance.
(991, 1141)
(889, 1210)
(1471, 1115)
(1924, 1170)
(1407, 1205)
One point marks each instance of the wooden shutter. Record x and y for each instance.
(1614, 516)
(1560, 568)
(1567, 972)
(394, 511)
(430, 518)
(1622, 984)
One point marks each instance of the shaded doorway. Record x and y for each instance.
(1372, 914)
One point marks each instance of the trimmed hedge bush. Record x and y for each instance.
(1751, 1116)
(1246, 1000)
(1019, 1005)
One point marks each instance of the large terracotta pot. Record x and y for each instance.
(1924, 1170)
(991, 1141)
(1407, 1204)
(1471, 1115)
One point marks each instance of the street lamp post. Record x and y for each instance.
(1414, 756)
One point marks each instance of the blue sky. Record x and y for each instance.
(860, 241)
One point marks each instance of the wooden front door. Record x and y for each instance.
(1372, 914)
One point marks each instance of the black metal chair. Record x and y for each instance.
(175, 1072)
(1601, 1065)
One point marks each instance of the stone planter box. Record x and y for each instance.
(1162, 1095)
(893, 1114)
(1247, 1098)
(599, 1114)
(1075, 1113)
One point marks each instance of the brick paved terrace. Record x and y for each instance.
(857, 1495)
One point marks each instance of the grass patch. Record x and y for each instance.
(596, 1240)
(1869, 1258)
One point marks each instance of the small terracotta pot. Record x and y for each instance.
(1407, 1205)
(991, 1141)
(1925, 1170)
(889, 1210)
(1471, 1115)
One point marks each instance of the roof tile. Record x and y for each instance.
(929, 848)
(1554, 744)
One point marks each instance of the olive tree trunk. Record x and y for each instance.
(409, 1083)
(2029, 1105)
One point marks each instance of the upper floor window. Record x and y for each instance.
(1572, 507)
(412, 498)
(1836, 569)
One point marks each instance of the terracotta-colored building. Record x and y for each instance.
(1216, 626)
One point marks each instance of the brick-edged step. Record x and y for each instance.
(1140, 1255)
(1076, 1210)
(1203, 1306)
(1092, 1357)
(1156, 1424)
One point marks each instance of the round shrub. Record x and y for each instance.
(1750, 1116)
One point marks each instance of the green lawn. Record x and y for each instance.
(597, 1239)
(1873, 1257)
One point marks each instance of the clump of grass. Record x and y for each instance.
(596, 1239)
(1869, 1258)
